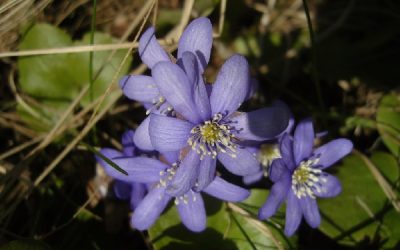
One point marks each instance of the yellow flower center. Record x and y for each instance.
(306, 179)
(211, 137)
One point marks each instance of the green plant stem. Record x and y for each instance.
(314, 56)
(91, 79)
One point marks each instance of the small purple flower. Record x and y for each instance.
(124, 188)
(190, 205)
(266, 152)
(298, 177)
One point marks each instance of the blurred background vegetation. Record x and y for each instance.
(59, 64)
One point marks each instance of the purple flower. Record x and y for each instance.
(190, 205)
(123, 187)
(299, 178)
(266, 152)
(207, 126)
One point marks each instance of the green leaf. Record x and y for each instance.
(222, 231)
(25, 245)
(47, 76)
(388, 122)
(355, 214)
(55, 80)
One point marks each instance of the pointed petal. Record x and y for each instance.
(206, 172)
(275, 198)
(122, 190)
(150, 50)
(277, 170)
(333, 151)
(330, 187)
(192, 212)
(251, 179)
(197, 38)
(139, 88)
(226, 191)
(245, 163)
(138, 193)
(303, 140)
(128, 143)
(175, 87)
(142, 136)
(231, 86)
(140, 169)
(150, 209)
(262, 124)
(168, 133)
(186, 175)
(293, 214)
(188, 63)
(286, 147)
(310, 211)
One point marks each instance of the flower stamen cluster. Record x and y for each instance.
(307, 179)
(212, 137)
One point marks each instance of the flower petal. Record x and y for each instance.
(310, 211)
(286, 148)
(253, 178)
(168, 133)
(140, 169)
(186, 175)
(175, 87)
(197, 38)
(128, 143)
(122, 189)
(188, 63)
(303, 140)
(142, 136)
(262, 124)
(231, 86)
(192, 212)
(293, 213)
(330, 187)
(244, 163)
(333, 151)
(206, 173)
(150, 209)
(139, 88)
(150, 50)
(275, 198)
(138, 193)
(277, 170)
(226, 191)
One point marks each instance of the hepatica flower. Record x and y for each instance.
(299, 177)
(208, 126)
(190, 205)
(266, 152)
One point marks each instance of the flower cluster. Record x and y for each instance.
(192, 124)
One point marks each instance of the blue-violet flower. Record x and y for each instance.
(299, 178)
